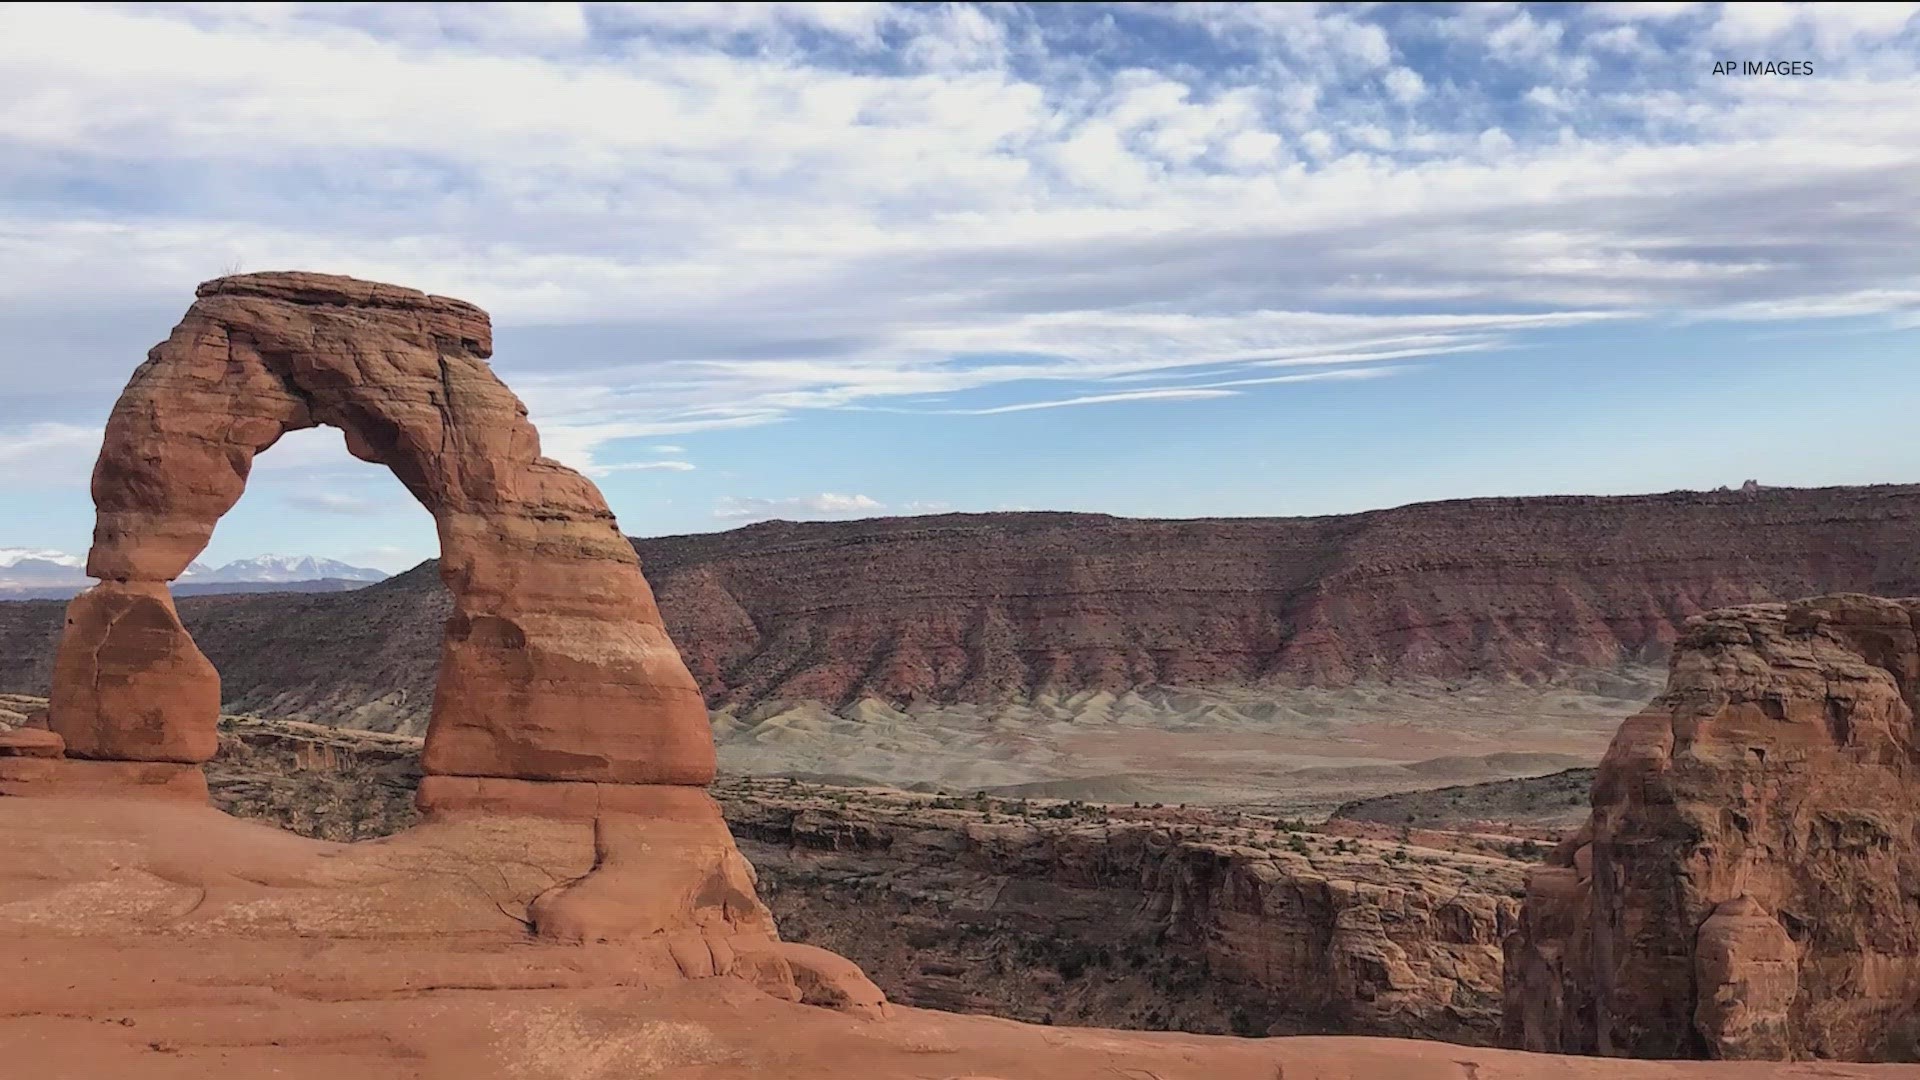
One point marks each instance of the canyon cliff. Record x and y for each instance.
(965, 607)
(1046, 911)
(1748, 885)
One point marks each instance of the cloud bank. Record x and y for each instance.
(721, 216)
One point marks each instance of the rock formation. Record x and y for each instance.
(1161, 919)
(972, 607)
(560, 695)
(554, 664)
(172, 942)
(1095, 915)
(1748, 885)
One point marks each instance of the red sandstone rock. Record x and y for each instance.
(1748, 971)
(970, 607)
(834, 982)
(554, 664)
(1754, 884)
(174, 943)
(64, 778)
(657, 876)
(567, 800)
(562, 705)
(30, 742)
(129, 684)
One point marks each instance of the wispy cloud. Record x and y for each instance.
(640, 466)
(1336, 375)
(824, 505)
(333, 502)
(835, 205)
(1167, 394)
(46, 454)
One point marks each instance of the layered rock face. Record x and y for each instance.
(1749, 883)
(974, 607)
(554, 664)
(1144, 919)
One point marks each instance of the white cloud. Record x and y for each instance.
(1549, 97)
(1167, 394)
(46, 454)
(1337, 375)
(1618, 39)
(1524, 38)
(1753, 23)
(854, 22)
(800, 507)
(640, 466)
(1638, 11)
(334, 502)
(794, 207)
(664, 448)
(1406, 85)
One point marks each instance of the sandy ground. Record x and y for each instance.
(1301, 751)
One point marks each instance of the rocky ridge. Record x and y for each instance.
(1748, 884)
(976, 607)
(1060, 912)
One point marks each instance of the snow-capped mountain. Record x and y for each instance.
(46, 573)
(29, 567)
(281, 568)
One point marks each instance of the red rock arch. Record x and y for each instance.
(554, 663)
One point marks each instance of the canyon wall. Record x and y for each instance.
(1069, 914)
(973, 607)
(1045, 911)
(1748, 885)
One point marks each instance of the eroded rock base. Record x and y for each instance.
(158, 941)
(56, 778)
(666, 879)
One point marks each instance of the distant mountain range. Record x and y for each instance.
(41, 574)
(280, 569)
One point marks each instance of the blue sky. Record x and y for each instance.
(805, 261)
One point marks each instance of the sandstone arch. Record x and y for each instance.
(554, 664)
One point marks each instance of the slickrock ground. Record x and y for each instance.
(1749, 883)
(1045, 910)
(155, 940)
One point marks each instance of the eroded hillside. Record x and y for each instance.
(971, 608)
